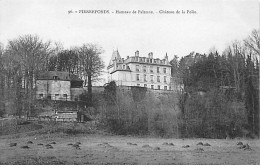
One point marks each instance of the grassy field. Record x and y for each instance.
(99, 149)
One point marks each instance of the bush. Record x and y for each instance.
(133, 111)
(212, 116)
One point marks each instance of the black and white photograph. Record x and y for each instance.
(129, 82)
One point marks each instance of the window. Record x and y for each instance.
(164, 79)
(151, 77)
(138, 84)
(137, 77)
(158, 87)
(165, 87)
(145, 85)
(144, 68)
(151, 69)
(164, 70)
(55, 77)
(56, 95)
(137, 68)
(158, 78)
(41, 95)
(158, 69)
(123, 66)
(145, 78)
(49, 96)
(151, 60)
(151, 86)
(65, 95)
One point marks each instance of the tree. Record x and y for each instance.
(91, 64)
(65, 60)
(253, 41)
(2, 80)
(251, 98)
(174, 66)
(31, 53)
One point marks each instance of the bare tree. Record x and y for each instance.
(31, 53)
(91, 64)
(253, 41)
(2, 80)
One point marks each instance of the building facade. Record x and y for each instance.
(56, 85)
(153, 73)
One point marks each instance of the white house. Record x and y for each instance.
(140, 71)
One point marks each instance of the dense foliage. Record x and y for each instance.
(221, 92)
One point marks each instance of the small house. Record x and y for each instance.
(56, 85)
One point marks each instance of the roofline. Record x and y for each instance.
(155, 64)
(109, 66)
(148, 63)
(120, 70)
(62, 80)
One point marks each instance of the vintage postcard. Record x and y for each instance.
(129, 82)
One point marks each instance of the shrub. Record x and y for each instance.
(212, 116)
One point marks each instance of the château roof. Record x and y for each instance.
(115, 55)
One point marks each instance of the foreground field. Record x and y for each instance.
(106, 149)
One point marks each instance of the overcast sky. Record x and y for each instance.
(215, 24)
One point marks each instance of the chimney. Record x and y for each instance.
(137, 53)
(166, 57)
(150, 55)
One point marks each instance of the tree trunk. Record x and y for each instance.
(90, 89)
(18, 94)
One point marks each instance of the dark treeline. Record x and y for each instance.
(221, 91)
(23, 58)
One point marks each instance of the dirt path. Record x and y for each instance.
(99, 149)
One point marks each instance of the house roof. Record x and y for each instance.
(65, 76)
(115, 55)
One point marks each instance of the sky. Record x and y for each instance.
(216, 24)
